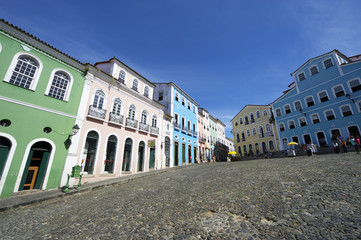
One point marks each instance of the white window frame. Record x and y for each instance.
(258, 114)
(284, 108)
(349, 85)
(135, 112)
(279, 126)
(318, 70)
(121, 106)
(313, 99)
(294, 105)
(330, 109)
(104, 100)
(319, 98)
(289, 124)
(176, 95)
(334, 92)
(144, 116)
(146, 92)
(298, 76)
(240, 120)
(265, 111)
(12, 66)
(276, 112)
(324, 65)
(299, 121)
(254, 131)
(248, 133)
(135, 85)
(318, 116)
(70, 84)
(125, 75)
(183, 102)
(340, 108)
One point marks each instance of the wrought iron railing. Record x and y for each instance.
(154, 130)
(115, 118)
(269, 134)
(143, 127)
(96, 112)
(176, 125)
(131, 123)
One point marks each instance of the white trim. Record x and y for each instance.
(337, 85)
(318, 140)
(296, 137)
(102, 170)
(299, 122)
(284, 108)
(323, 63)
(358, 106)
(309, 69)
(330, 109)
(25, 158)
(83, 147)
(36, 107)
(0, 52)
(13, 63)
(348, 83)
(69, 87)
(276, 112)
(340, 108)
(294, 104)
(298, 76)
(289, 126)
(279, 127)
(104, 107)
(318, 116)
(8, 159)
(303, 137)
(131, 160)
(313, 99)
(319, 98)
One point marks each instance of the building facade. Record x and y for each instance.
(323, 101)
(184, 111)
(253, 131)
(39, 98)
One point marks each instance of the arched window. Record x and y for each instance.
(258, 114)
(251, 117)
(135, 84)
(90, 151)
(245, 150)
(261, 133)
(246, 120)
(238, 140)
(141, 149)
(240, 121)
(154, 121)
(59, 86)
(24, 72)
(131, 112)
(248, 133)
(243, 137)
(268, 128)
(110, 154)
(271, 146)
(265, 113)
(99, 99)
(121, 76)
(281, 127)
(144, 117)
(146, 91)
(127, 157)
(117, 106)
(239, 151)
(254, 132)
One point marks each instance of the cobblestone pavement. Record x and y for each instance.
(290, 198)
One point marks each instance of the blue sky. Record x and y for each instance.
(225, 54)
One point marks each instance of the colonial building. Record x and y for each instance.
(212, 123)
(253, 131)
(203, 135)
(184, 111)
(323, 101)
(39, 97)
(221, 149)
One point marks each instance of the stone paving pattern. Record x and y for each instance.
(314, 197)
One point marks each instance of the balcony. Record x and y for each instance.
(131, 123)
(97, 113)
(119, 82)
(261, 135)
(143, 127)
(154, 130)
(184, 129)
(176, 125)
(117, 119)
(269, 134)
(194, 133)
(189, 131)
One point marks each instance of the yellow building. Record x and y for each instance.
(254, 131)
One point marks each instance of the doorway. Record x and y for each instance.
(195, 154)
(321, 139)
(353, 131)
(167, 151)
(183, 153)
(36, 165)
(152, 158)
(5, 146)
(176, 154)
(307, 138)
(189, 154)
(141, 149)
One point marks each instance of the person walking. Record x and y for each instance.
(353, 142)
(343, 144)
(335, 147)
(309, 150)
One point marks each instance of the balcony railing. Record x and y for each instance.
(184, 129)
(119, 82)
(269, 134)
(131, 123)
(154, 130)
(176, 125)
(114, 118)
(97, 112)
(194, 133)
(143, 127)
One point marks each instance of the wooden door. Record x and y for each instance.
(31, 177)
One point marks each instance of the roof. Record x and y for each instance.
(248, 105)
(183, 92)
(335, 50)
(125, 65)
(39, 44)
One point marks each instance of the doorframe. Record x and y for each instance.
(25, 158)
(8, 159)
(318, 140)
(349, 134)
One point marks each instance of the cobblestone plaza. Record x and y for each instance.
(314, 197)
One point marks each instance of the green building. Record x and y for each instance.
(40, 91)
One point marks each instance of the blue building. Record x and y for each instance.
(184, 111)
(324, 100)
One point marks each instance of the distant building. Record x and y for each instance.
(323, 101)
(253, 131)
(203, 135)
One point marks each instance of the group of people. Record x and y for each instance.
(338, 141)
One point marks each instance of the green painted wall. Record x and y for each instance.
(28, 122)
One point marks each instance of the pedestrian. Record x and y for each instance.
(335, 147)
(343, 144)
(357, 141)
(309, 150)
(312, 148)
(353, 142)
(315, 148)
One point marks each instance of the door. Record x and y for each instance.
(307, 139)
(284, 143)
(321, 139)
(183, 153)
(141, 156)
(152, 158)
(264, 147)
(31, 177)
(5, 146)
(353, 131)
(167, 151)
(189, 154)
(195, 154)
(176, 154)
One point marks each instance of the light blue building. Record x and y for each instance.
(324, 100)
(184, 111)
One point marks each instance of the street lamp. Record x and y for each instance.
(75, 131)
(301, 111)
(349, 97)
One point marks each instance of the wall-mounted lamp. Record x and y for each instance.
(75, 131)
(349, 97)
(301, 111)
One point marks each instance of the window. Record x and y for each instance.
(236, 123)
(194, 109)
(143, 118)
(176, 118)
(265, 113)
(268, 129)
(338, 90)
(131, 112)
(271, 146)
(309, 101)
(183, 101)
(302, 121)
(59, 86)
(238, 140)
(301, 77)
(135, 84)
(243, 137)
(146, 91)
(25, 72)
(278, 112)
(154, 121)
(189, 105)
(240, 121)
(160, 97)
(346, 110)
(258, 114)
(254, 132)
(315, 118)
(121, 76)
(117, 106)
(328, 63)
(298, 105)
(177, 97)
(291, 124)
(287, 109)
(246, 120)
(359, 106)
(282, 127)
(99, 99)
(330, 115)
(313, 70)
(323, 96)
(248, 133)
(251, 117)
(355, 85)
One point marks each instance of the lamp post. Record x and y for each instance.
(75, 131)
(349, 97)
(301, 111)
